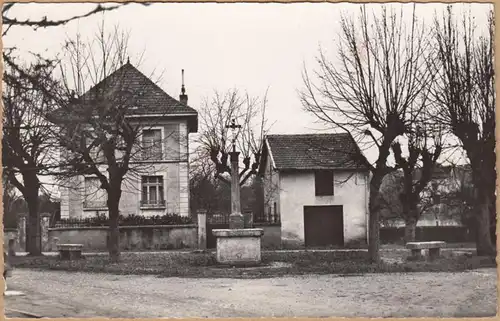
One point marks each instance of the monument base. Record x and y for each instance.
(238, 246)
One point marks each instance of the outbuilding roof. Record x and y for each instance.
(314, 151)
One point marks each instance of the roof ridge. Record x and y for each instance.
(152, 82)
(134, 69)
(133, 78)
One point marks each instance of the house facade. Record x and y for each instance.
(318, 187)
(157, 182)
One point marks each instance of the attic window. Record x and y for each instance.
(151, 144)
(323, 182)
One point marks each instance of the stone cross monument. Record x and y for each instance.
(236, 220)
(237, 245)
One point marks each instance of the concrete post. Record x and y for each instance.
(21, 227)
(12, 248)
(236, 220)
(44, 231)
(11, 241)
(202, 229)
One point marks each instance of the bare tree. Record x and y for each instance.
(204, 187)
(216, 140)
(101, 133)
(20, 157)
(13, 204)
(465, 92)
(373, 90)
(45, 22)
(29, 144)
(424, 148)
(393, 201)
(459, 197)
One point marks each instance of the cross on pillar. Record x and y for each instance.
(233, 126)
(236, 218)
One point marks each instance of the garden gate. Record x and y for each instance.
(215, 221)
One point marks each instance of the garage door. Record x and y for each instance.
(323, 225)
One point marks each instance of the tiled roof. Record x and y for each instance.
(148, 97)
(135, 93)
(315, 151)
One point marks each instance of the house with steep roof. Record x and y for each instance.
(318, 186)
(158, 181)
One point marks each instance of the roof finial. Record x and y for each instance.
(183, 98)
(128, 60)
(183, 89)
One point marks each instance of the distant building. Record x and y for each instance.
(441, 211)
(159, 183)
(318, 187)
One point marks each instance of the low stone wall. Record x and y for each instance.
(449, 234)
(157, 237)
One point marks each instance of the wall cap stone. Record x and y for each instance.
(266, 224)
(247, 232)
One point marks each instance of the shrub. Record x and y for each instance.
(130, 220)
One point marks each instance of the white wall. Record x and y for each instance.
(297, 190)
(271, 188)
(174, 168)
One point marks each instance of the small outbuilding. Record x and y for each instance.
(319, 187)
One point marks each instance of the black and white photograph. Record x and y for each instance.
(249, 160)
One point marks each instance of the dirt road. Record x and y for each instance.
(66, 294)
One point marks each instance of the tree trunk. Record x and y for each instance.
(373, 222)
(114, 230)
(484, 181)
(410, 230)
(33, 233)
(484, 246)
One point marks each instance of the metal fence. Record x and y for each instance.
(218, 218)
(271, 217)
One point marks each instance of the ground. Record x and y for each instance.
(274, 263)
(424, 294)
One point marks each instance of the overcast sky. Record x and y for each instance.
(221, 46)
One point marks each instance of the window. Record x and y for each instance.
(323, 182)
(152, 191)
(96, 151)
(151, 144)
(95, 196)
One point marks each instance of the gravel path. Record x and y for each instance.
(66, 294)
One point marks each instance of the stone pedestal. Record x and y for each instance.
(236, 221)
(239, 246)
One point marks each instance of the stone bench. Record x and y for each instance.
(434, 248)
(70, 251)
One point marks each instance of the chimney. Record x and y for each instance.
(183, 98)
